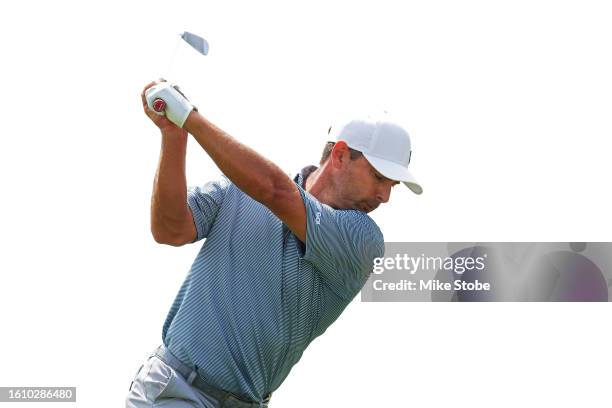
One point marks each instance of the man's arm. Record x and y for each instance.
(171, 218)
(252, 173)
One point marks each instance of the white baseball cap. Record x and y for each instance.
(385, 145)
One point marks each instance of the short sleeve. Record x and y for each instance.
(341, 244)
(205, 202)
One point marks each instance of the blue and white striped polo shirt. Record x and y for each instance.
(255, 296)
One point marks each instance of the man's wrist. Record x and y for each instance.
(174, 132)
(190, 122)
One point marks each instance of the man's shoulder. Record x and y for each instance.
(359, 217)
(357, 225)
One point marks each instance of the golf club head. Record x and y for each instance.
(197, 43)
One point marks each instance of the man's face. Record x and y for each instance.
(361, 187)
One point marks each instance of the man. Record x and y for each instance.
(281, 260)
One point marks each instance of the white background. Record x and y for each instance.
(508, 105)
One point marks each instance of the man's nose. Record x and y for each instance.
(383, 194)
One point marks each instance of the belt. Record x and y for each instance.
(226, 399)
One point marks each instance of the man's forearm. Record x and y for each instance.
(248, 170)
(170, 214)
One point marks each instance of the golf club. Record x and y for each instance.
(158, 105)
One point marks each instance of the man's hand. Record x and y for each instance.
(161, 121)
(172, 102)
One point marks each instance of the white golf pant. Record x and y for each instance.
(158, 385)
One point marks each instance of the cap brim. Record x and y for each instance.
(395, 171)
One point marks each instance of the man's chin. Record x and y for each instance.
(366, 208)
(347, 207)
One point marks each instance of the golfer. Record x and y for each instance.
(281, 259)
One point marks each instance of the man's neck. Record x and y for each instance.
(320, 186)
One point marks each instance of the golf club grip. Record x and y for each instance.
(159, 105)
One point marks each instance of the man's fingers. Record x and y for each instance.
(150, 84)
(160, 121)
(142, 95)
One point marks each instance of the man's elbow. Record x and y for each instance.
(278, 191)
(176, 239)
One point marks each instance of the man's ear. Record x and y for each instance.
(340, 154)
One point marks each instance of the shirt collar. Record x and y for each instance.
(301, 177)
